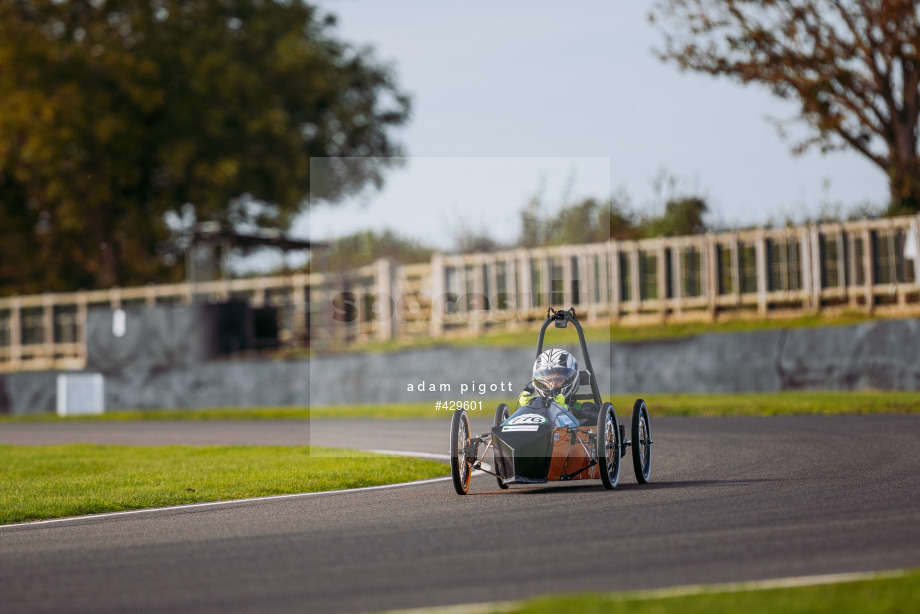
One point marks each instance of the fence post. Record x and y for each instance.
(48, 326)
(476, 312)
(760, 258)
(712, 274)
(736, 267)
(546, 282)
(801, 237)
(386, 297)
(662, 280)
(298, 307)
(463, 300)
(635, 290)
(16, 332)
(586, 289)
(525, 304)
(816, 281)
(223, 291)
(327, 328)
(915, 235)
(492, 286)
(438, 296)
(511, 286)
(868, 269)
(677, 277)
(901, 267)
(258, 295)
(851, 264)
(82, 307)
(568, 300)
(614, 279)
(841, 260)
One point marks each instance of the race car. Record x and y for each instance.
(544, 441)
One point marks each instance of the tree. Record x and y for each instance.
(585, 221)
(531, 224)
(468, 239)
(117, 114)
(588, 221)
(621, 221)
(366, 247)
(853, 66)
(682, 216)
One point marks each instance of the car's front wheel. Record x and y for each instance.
(608, 446)
(461, 465)
(641, 442)
(501, 414)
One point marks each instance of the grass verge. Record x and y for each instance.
(746, 404)
(899, 594)
(41, 482)
(615, 332)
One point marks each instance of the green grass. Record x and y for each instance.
(776, 403)
(746, 404)
(885, 595)
(616, 332)
(41, 482)
(204, 414)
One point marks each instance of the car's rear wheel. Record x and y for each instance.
(461, 465)
(608, 446)
(501, 414)
(641, 442)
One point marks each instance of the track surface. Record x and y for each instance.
(731, 500)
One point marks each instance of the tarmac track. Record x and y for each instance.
(732, 499)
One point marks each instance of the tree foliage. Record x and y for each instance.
(682, 216)
(366, 247)
(586, 221)
(469, 240)
(116, 114)
(853, 66)
(594, 221)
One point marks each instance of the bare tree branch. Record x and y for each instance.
(852, 65)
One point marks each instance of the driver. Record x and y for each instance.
(555, 376)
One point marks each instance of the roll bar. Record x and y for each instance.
(562, 319)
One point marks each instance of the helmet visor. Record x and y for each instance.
(550, 379)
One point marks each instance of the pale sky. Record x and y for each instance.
(556, 87)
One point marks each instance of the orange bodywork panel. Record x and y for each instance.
(569, 456)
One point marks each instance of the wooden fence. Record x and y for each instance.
(868, 265)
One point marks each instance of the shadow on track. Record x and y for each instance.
(545, 489)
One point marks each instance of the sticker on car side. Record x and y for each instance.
(527, 419)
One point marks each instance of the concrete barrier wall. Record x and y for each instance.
(28, 393)
(882, 355)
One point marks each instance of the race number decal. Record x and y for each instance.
(527, 419)
(526, 422)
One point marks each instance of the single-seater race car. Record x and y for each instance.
(544, 441)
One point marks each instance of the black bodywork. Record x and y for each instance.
(525, 456)
(545, 441)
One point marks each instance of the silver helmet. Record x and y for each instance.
(555, 372)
